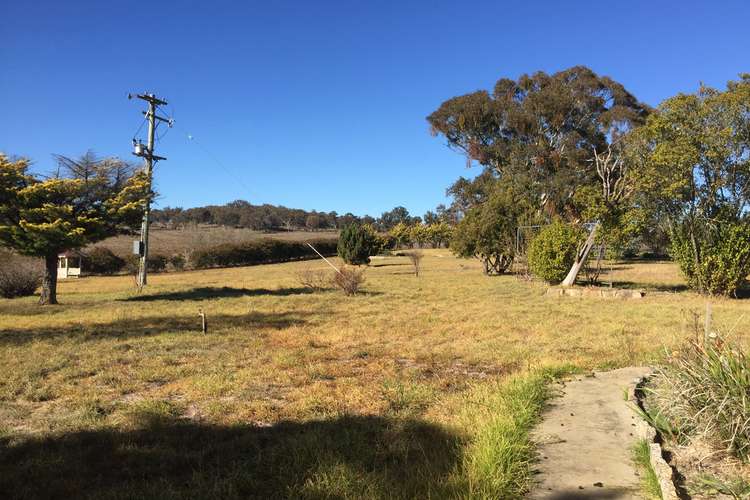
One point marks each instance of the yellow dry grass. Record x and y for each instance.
(275, 351)
(414, 347)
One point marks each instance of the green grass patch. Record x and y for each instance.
(497, 462)
(642, 459)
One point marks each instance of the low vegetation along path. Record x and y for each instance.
(586, 439)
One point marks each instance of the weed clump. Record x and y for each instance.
(704, 390)
(349, 279)
(19, 278)
(314, 279)
(415, 257)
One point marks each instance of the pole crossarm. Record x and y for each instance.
(150, 98)
(160, 118)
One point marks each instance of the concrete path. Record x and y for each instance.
(586, 437)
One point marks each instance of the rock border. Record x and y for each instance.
(606, 293)
(664, 472)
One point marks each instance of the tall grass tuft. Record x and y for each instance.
(708, 383)
(497, 462)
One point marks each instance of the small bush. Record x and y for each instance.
(101, 260)
(356, 244)
(19, 277)
(553, 251)
(349, 279)
(723, 260)
(314, 279)
(176, 262)
(415, 257)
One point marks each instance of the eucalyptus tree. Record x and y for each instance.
(544, 132)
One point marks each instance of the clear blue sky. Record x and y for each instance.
(322, 104)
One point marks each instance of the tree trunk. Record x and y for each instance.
(581, 257)
(49, 282)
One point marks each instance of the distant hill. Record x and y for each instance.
(242, 214)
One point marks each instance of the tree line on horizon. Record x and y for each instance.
(266, 217)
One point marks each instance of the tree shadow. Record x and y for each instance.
(600, 493)
(654, 287)
(152, 325)
(345, 457)
(209, 292)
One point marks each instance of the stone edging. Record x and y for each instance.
(607, 293)
(643, 430)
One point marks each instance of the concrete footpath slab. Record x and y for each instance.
(585, 439)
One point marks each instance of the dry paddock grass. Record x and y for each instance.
(293, 393)
(171, 241)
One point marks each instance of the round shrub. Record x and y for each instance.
(100, 260)
(553, 251)
(356, 244)
(723, 261)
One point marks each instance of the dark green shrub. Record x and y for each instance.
(176, 262)
(265, 251)
(723, 260)
(155, 263)
(356, 244)
(553, 251)
(101, 260)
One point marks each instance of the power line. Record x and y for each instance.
(227, 170)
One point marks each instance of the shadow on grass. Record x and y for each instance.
(346, 457)
(208, 292)
(387, 264)
(148, 326)
(599, 493)
(657, 287)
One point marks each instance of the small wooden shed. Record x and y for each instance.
(69, 264)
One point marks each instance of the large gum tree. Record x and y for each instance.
(549, 134)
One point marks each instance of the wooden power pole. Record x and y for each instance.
(147, 152)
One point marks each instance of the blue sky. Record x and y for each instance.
(322, 105)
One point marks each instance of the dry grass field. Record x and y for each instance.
(416, 388)
(171, 241)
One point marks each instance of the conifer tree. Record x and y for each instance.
(89, 199)
(356, 244)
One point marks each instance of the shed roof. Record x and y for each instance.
(71, 253)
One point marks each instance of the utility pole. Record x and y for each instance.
(147, 152)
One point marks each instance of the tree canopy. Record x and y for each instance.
(488, 230)
(541, 130)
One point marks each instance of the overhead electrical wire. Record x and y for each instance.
(191, 138)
